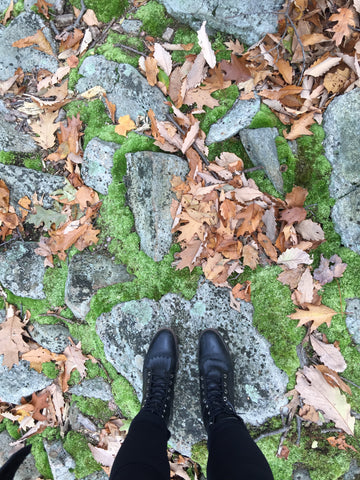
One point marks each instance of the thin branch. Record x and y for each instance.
(269, 434)
(78, 20)
(298, 429)
(133, 50)
(253, 169)
(331, 430)
(349, 381)
(301, 46)
(195, 147)
(100, 38)
(56, 316)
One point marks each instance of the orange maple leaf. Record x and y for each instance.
(125, 125)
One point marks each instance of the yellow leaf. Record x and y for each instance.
(318, 314)
(285, 69)
(125, 125)
(345, 19)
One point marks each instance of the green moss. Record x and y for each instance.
(272, 304)
(184, 36)
(288, 160)
(8, 158)
(77, 445)
(226, 100)
(199, 453)
(49, 369)
(105, 10)
(125, 397)
(93, 407)
(154, 18)
(75, 378)
(54, 283)
(40, 455)
(266, 118)
(34, 163)
(74, 75)
(19, 7)
(118, 54)
(219, 47)
(12, 428)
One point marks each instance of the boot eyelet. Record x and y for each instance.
(225, 398)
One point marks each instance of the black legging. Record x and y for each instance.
(233, 455)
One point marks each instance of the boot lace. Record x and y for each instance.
(158, 393)
(217, 402)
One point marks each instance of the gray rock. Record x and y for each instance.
(78, 421)
(97, 476)
(126, 333)
(238, 117)
(27, 470)
(20, 381)
(259, 144)
(301, 473)
(342, 142)
(60, 461)
(87, 273)
(4, 5)
(149, 196)
(93, 388)
(354, 471)
(23, 181)
(124, 85)
(346, 217)
(97, 164)
(132, 27)
(53, 337)
(353, 319)
(168, 34)
(12, 140)
(22, 271)
(54, 4)
(27, 58)
(248, 20)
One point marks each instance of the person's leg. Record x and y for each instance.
(9, 469)
(143, 454)
(232, 453)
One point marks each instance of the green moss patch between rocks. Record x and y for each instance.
(118, 54)
(77, 445)
(154, 18)
(21, 160)
(94, 407)
(105, 10)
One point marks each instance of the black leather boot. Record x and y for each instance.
(159, 374)
(216, 379)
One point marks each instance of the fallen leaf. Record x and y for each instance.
(285, 69)
(329, 355)
(310, 230)
(242, 291)
(326, 273)
(314, 39)
(71, 40)
(163, 58)
(334, 82)
(201, 97)
(344, 20)
(315, 391)
(333, 378)
(24, 203)
(74, 360)
(37, 39)
(43, 7)
(47, 217)
(111, 107)
(250, 257)
(292, 215)
(251, 216)
(296, 197)
(190, 137)
(305, 288)
(8, 13)
(125, 125)
(267, 246)
(291, 277)
(12, 336)
(340, 442)
(90, 18)
(151, 69)
(318, 314)
(322, 67)
(188, 257)
(246, 194)
(7, 84)
(197, 72)
(308, 413)
(39, 356)
(299, 127)
(292, 257)
(45, 128)
(205, 45)
(236, 70)
(235, 47)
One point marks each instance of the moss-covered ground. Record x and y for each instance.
(272, 303)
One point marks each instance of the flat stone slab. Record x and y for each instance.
(126, 333)
(93, 388)
(24, 25)
(346, 217)
(259, 144)
(342, 142)
(249, 19)
(61, 462)
(97, 164)
(87, 273)
(238, 117)
(53, 337)
(12, 140)
(23, 181)
(22, 271)
(124, 85)
(149, 196)
(133, 27)
(353, 319)
(27, 470)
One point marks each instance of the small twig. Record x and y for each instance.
(298, 429)
(269, 434)
(133, 50)
(53, 28)
(195, 147)
(78, 20)
(56, 316)
(301, 46)
(331, 430)
(355, 414)
(9, 241)
(100, 38)
(349, 381)
(253, 169)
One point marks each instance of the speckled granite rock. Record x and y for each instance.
(149, 196)
(11, 139)
(27, 470)
(127, 330)
(93, 388)
(53, 337)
